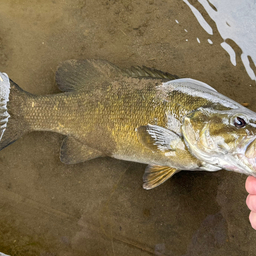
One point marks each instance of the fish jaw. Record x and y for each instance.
(246, 153)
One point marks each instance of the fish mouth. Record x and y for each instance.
(247, 157)
(248, 165)
(250, 151)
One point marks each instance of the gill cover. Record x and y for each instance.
(200, 138)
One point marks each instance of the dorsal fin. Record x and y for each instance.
(85, 74)
(140, 72)
(91, 74)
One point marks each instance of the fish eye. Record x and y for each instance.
(239, 122)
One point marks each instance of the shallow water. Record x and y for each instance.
(99, 207)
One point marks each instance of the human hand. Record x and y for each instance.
(250, 186)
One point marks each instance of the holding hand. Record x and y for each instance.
(250, 186)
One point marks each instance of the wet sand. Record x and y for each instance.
(99, 207)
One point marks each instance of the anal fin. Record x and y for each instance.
(155, 175)
(73, 151)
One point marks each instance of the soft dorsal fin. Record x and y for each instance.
(76, 75)
(85, 74)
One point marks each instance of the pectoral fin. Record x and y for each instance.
(158, 138)
(155, 175)
(73, 151)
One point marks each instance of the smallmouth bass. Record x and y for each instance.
(138, 114)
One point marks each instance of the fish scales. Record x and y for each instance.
(109, 123)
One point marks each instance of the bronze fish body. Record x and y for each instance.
(137, 114)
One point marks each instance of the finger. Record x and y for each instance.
(252, 218)
(250, 185)
(251, 202)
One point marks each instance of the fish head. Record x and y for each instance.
(225, 138)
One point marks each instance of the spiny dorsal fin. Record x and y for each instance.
(73, 151)
(85, 74)
(143, 71)
(155, 175)
(92, 74)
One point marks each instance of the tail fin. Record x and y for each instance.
(11, 123)
(4, 98)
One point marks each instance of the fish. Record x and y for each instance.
(136, 114)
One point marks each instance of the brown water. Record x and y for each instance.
(99, 207)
